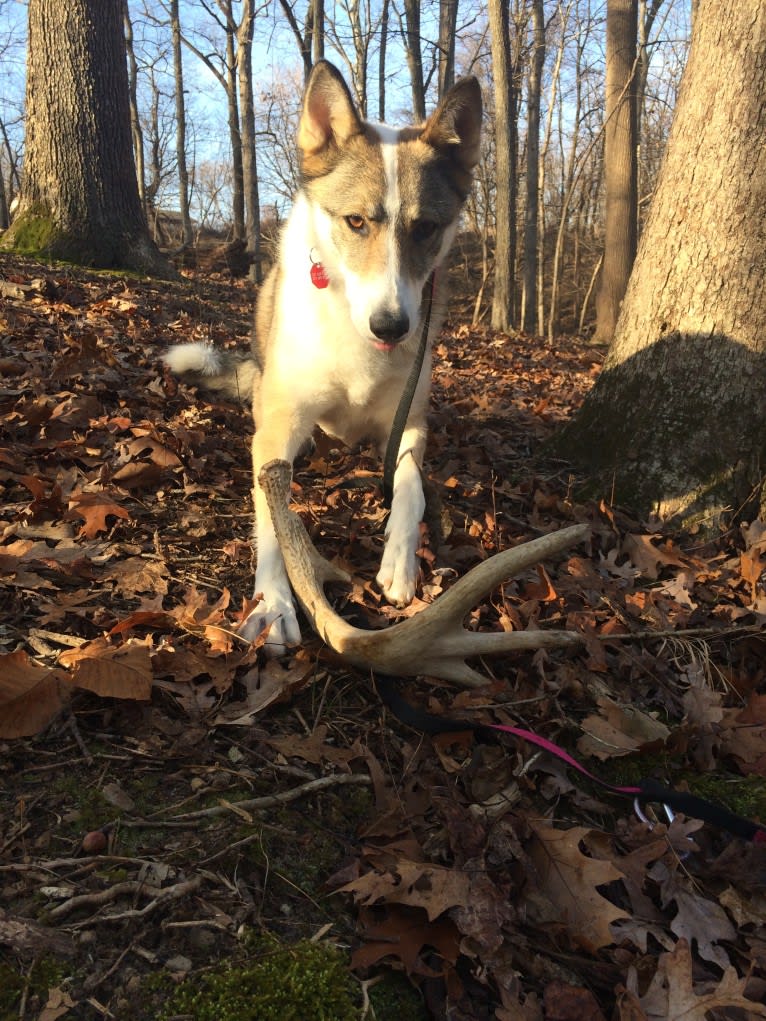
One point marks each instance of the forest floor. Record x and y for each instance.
(190, 831)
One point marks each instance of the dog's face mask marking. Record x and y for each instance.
(386, 202)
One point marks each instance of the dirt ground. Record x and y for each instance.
(188, 830)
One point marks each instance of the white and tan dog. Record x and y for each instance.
(338, 317)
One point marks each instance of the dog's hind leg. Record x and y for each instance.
(399, 570)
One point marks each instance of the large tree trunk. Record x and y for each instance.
(620, 164)
(80, 197)
(675, 423)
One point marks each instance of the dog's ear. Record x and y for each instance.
(329, 116)
(455, 125)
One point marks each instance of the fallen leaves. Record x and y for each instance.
(483, 871)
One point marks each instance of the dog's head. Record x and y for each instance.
(385, 202)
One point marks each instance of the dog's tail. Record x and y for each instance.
(223, 372)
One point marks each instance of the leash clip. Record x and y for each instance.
(670, 815)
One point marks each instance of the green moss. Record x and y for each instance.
(743, 795)
(45, 974)
(33, 234)
(305, 982)
(395, 999)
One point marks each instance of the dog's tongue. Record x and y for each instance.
(381, 345)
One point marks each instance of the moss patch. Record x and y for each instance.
(44, 975)
(305, 982)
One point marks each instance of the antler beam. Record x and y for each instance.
(434, 641)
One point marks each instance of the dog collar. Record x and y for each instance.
(318, 273)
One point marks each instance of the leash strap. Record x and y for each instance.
(646, 790)
(405, 402)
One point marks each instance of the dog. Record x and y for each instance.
(338, 317)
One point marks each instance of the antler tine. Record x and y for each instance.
(434, 641)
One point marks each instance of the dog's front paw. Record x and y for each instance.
(398, 574)
(276, 618)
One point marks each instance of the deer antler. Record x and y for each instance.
(432, 642)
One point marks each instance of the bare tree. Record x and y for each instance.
(411, 36)
(79, 197)
(505, 71)
(310, 38)
(183, 173)
(247, 111)
(446, 46)
(532, 204)
(620, 164)
(675, 423)
(382, 52)
(135, 119)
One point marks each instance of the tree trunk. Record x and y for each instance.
(415, 58)
(675, 423)
(531, 209)
(506, 145)
(239, 229)
(136, 130)
(183, 173)
(447, 29)
(317, 30)
(384, 18)
(79, 197)
(247, 113)
(620, 164)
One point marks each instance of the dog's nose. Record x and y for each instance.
(389, 326)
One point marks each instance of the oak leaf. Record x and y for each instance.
(569, 880)
(672, 994)
(94, 509)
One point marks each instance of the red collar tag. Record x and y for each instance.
(319, 277)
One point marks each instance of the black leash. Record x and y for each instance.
(405, 402)
(646, 790)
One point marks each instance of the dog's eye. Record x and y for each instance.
(356, 223)
(422, 230)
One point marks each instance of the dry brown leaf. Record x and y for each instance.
(94, 508)
(569, 879)
(618, 730)
(112, 671)
(672, 993)
(30, 695)
(418, 884)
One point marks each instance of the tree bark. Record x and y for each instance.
(79, 197)
(183, 172)
(136, 130)
(247, 113)
(620, 164)
(506, 146)
(447, 30)
(675, 423)
(532, 205)
(414, 55)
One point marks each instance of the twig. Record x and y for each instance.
(168, 894)
(320, 784)
(102, 897)
(692, 632)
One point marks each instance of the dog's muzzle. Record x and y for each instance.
(390, 327)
